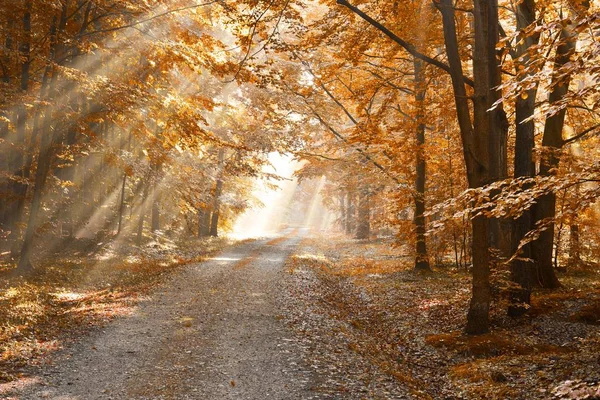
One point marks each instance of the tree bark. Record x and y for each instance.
(552, 142)
(500, 230)
(363, 228)
(155, 226)
(351, 214)
(214, 223)
(18, 186)
(343, 210)
(524, 166)
(123, 186)
(142, 217)
(475, 147)
(574, 245)
(46, 151)
(422, 257)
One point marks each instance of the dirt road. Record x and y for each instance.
(214, 331)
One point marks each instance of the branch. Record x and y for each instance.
(359, 150)
(407, 46)
(175, 10)
(314, 155)
(581, 134)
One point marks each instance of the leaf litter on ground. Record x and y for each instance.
(375, 328)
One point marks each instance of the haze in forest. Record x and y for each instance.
(430, 155)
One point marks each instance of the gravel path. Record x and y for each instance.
(214, 331)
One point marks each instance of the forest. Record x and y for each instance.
(373, 199)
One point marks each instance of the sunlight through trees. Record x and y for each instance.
(465, 130)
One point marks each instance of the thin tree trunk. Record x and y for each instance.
(500, 230)
(214, 223)
(155, 213)
(155, 225)
(45, 153)
(574, 244)
(140, 227)
(204, 218)
(351, 215)
(363, 229)
(19, 186)
(201, 212)
(422, 257)
(5, 62)
(552, 142)
(524, 167)
(123, 186)
(343, 210)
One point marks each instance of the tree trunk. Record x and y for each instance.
(574, 245)
(500, 230)
(475, 146)
(18, 186)
(343, 210)
(204, 218)
(122, 204)
(155, 213)
(46, 151)
(524, 166)
(351, 214)
(363, 228)
(552, 141)
(214, 223)
(123, 186)
(155, 224)
(140, 228)
(422, 257)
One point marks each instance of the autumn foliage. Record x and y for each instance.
(465, 130)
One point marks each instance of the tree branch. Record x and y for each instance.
(581, 134)
(116, 28)
(407, 46)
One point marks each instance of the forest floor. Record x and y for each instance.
(408, 324)
(291, 317)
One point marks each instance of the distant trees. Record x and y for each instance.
(127, 120)
(366, 81)
(107, 124)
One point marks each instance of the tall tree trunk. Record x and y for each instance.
(545, 208)
(489, 136)
(4, 115)
(123, 186)
(500, 230)
(155, 226)
(351, 214)
(46, 150)
(524, 166)
(574, 244)
(422, 257)
(214, 223)
(363, 228)
(121, 204)
(204, 218)
(343, 210)
(140, 227)
(475, 147)
(5, 61)
(18, 186)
